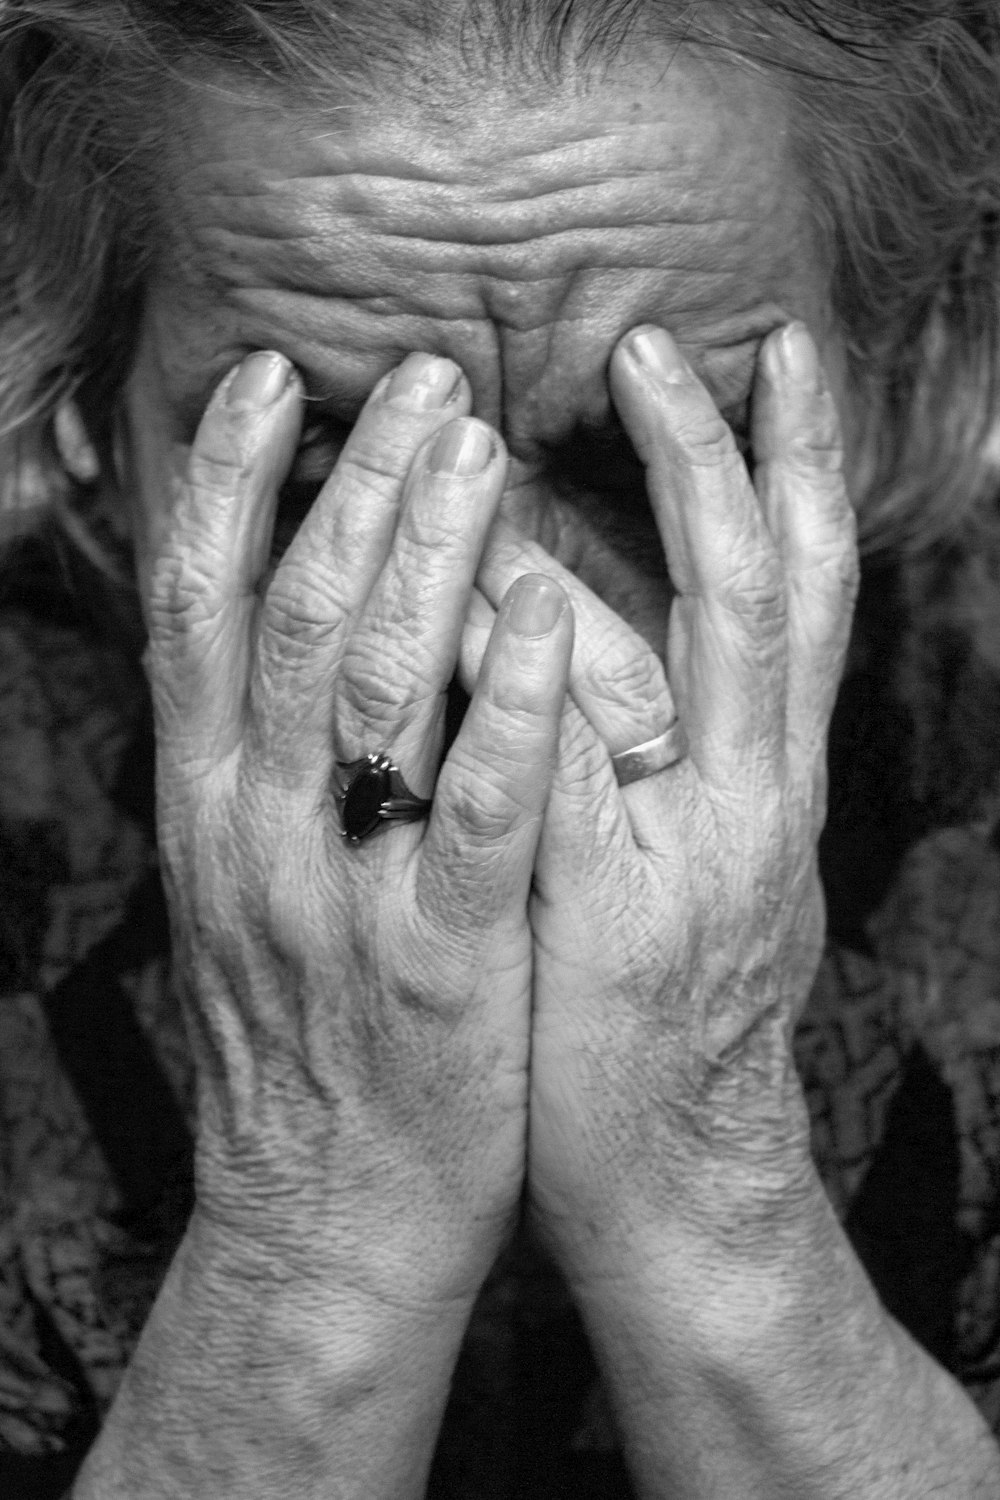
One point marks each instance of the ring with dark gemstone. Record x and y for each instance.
(370, 792)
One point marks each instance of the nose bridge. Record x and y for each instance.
(537, 361)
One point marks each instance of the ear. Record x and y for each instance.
(76, 452)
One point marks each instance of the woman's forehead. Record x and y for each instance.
(520, 239)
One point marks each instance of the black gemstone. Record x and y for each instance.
(362, 800)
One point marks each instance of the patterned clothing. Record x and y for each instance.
(899, 1052)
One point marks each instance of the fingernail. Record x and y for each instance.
(258, 382)
(423, 382)
(534, 605)
(655, 352)
(800, 360)
(462, 448)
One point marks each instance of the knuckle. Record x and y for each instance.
(411, 988)
(485, 798)
(427, 536)
(807, 441)
(373, 470)
(842, 570)
(408, 597)
(282, 900)
(755, 589)
(632, 679)
(515, 708)
(213, 475)
(816, 454)
(833, 572)
(821, 441)
(383, 680)
(302, 611)
(705, 439)
(383, 446)
(187, 576)
(583, 771)
(184, 593)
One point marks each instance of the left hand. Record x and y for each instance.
(678, 921)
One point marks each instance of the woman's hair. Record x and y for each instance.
(894, 113)
(896, 119)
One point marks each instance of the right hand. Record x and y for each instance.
(359, 1014)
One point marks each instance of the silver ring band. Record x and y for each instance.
(653, 756)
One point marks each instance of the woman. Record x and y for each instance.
(429, 349)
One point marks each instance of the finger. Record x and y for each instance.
(478, 853)
(799, 477)
(587, 817)
(592, 826)
(726, 642)
(213, 550)
(331, 565)
(616, 679)
(402, 652)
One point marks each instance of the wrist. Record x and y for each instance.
(749, 1199)
(390, 1233)
(254, 1380)
(379, 1275)
(750, 1258)
(765, 1299)
(344, 1319)
(774, 1372)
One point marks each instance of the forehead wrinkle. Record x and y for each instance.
(273, 224)
(475, 211)
(440, 311)
(522, 252)
(456, 229)
(505, 155)
(398, 273)
(417, 210)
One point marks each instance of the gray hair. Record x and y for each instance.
(896, 122)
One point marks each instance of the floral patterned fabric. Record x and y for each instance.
(899, 1053)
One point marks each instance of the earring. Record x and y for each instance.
(76, 451)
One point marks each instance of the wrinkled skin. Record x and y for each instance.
(364, 1016)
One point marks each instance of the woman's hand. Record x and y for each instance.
(677, 927)
(359, 1013)
(678, 920)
